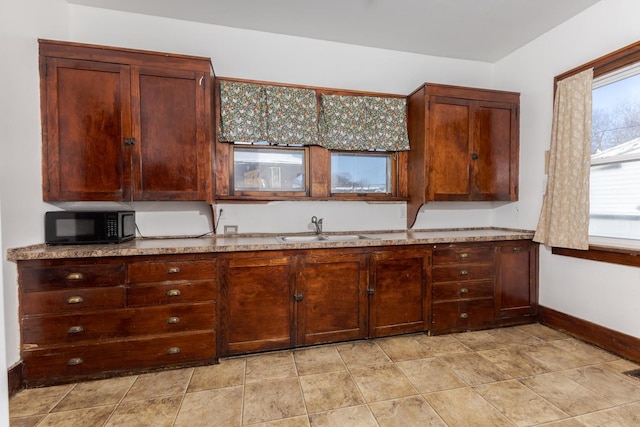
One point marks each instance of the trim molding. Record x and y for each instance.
(616, 342)
(14, 379)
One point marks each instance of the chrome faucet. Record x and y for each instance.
(318, 223)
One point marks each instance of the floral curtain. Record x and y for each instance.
(243, 112)
(363, 123)
(292, 115)
(279, 115)
(564, 219)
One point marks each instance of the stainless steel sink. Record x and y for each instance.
(323, 238)
(299, 239)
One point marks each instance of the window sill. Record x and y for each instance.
(606, 250)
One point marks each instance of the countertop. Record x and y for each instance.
(258, 242)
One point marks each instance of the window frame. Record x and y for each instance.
(393, 164)
(282, 193)
(611, 251)
(318, 161)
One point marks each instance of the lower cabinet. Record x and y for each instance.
(256, 299)
(517, 281)
(91, 317)
(483, 285)
(312, 297)
(86, 318)
(398, 289)
(331, 299)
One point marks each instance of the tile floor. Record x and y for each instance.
(521, 376)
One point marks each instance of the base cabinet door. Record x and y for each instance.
(399, 301)
(256, 304)
(517, 286)
(331, 301)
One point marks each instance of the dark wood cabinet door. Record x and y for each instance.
(449, 149)
(331, 301)
(171, 150)
(494, 153)
(86, 117)
(398, 285)
(256, 309)
(517, 290)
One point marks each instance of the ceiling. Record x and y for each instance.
(481, 30)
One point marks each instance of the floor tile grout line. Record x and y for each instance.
(184, 395)
(117, 405)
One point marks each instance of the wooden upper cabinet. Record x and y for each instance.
(122, 125)
(464, 145)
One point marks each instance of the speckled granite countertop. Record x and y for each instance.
(241, 242)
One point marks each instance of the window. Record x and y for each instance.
(361, 173)
(264, 169)
(615, 155)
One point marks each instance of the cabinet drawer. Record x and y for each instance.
(146, 272)
(52, 364)
(171, 293)
(459, 255)
(462, 315)
(71, 276)
(72, 300)
(462, 272)
(68, 329)
(463, 290)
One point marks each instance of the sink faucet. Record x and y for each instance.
(318, 223)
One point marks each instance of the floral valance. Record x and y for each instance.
(279, 115)
(286, 115)
(363, 123)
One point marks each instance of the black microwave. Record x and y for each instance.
(85, 227)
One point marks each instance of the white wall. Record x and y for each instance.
(21, 23)
(605, 294)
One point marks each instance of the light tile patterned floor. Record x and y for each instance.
(522, 376)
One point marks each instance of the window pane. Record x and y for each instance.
(360, 173)
(615, 157)
(274, 169)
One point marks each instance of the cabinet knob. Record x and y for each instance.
(464, 255)
(464, 315)
(173, 350)
(75, 361)
(173, 270)
(298, 297)
(173, 320)
(517, 249)
(371, 291)
(76, 299)
(174, 293)
(475, 156)
(464, 291)
(75, 276)
(464, 272)
(75, 330)
(129, 141)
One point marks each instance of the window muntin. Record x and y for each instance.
(265, 169)
(615, 160)
(361, 173)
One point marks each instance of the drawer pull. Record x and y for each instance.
(464, 315)
(517, 249)
(173, 320)
(173, 270)
(464, 272)
(173, 350)
(75, 276)
(75, 329)
(174, 293)
(75, 361)
(464, 255)
(75, 300)
(464, 291)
